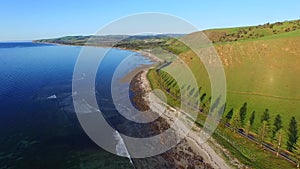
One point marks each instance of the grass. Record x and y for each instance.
(244, 150)
(261, 71)
(154, 82)
(248, 152)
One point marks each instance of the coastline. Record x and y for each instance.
(141, 52)
(189, 152)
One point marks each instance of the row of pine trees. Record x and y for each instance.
(268, 130)
(274, 130)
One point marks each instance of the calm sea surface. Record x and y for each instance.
(38, 126)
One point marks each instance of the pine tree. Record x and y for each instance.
(279, 136)
(215, 104)
(276, 126)
(236, 123)
(197, 94)
(263, 132)
(292, 135)
(247, 127)
(221, 110)
(202, 97)
(266, 116)
(252, 118)
(225, 106)
(220, 115)
(243, 113)
(229, 115)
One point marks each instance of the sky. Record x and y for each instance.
(36, 19)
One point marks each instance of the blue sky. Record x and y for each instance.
(35, 19)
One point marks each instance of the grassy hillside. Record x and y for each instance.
(261, 70)
(264, 73)
(251, 32)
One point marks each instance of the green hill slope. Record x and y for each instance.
(261, 70)
(251, 32)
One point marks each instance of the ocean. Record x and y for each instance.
(38, 125)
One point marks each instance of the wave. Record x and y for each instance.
(52, 97)
(121, 147)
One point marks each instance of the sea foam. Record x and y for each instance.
(121, 147)
(52, 97)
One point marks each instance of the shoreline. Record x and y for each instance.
(182, 155)
(141, 52)
(189, 148)
(188, 152)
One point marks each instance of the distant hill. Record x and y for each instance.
(122, 41)
(251, 32)
(215, 35)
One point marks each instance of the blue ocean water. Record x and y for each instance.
(38, 126)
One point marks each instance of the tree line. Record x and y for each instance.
(273, 130)
(267, 128)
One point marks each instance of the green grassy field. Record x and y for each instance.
(261, 70)
(264, 74)
(246, 151)
(239, 147)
